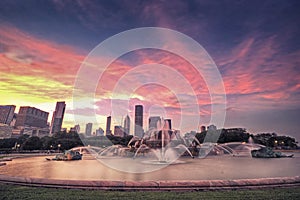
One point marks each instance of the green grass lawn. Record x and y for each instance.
(24, 192)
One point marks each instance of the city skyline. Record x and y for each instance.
(254, 45)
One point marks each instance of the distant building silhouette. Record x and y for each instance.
(33, 117)
(154, 122)
(58, 117)
(127, 125)
(168, 124)
(99, 132)
(108, 125)
(118, 131)
(88, 129)
(7, 113)
(75, 129)
(138, 121)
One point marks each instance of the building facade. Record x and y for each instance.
(127, 125)
(58, 117)
(168, 124)
(138, 121)
(5, 131)
(88, 129)
(32, 117)
(7, 113)
(154, 122)
(108, 124)
(75, 129)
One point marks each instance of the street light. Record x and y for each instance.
(18, 147)
(59, 145)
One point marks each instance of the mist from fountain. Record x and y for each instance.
(163, 144)
(114, 150)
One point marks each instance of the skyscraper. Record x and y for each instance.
(127, 125)
(33, 117)
(168, 124)
(108, 124)
(138, 121)
(88, 129)
(7, 113)
(58, 117)
(154, 122)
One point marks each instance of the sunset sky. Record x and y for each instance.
(255, 45)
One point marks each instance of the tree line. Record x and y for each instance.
(64, 141)
(241, 135)
(60, 141)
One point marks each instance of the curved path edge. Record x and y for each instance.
(183, 185)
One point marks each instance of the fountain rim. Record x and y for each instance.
(153, 185)
(182, 185)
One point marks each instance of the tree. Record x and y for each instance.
(32, 143)
(7, 143)
(46, 142)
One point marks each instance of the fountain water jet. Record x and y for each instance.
(165, 144)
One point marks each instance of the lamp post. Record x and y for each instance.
(59, 145)
(18, 147)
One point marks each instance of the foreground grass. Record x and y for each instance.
(22, 192)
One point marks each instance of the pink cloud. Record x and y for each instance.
(24, 54)
(260, 73)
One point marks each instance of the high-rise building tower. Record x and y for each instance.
(33, 117)
(58, 117)
(108, 124)
(138, 121)
(7, 114)
(168, 124)
(127, 125)
(154, 122)
(88, 129)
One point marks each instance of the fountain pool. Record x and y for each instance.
(210, 168)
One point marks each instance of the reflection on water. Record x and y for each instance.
(214, 167)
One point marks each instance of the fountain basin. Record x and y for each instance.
(211, 173)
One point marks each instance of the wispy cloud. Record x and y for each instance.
(259, 73)
(36, 67)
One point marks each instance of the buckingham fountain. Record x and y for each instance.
(161, 160)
